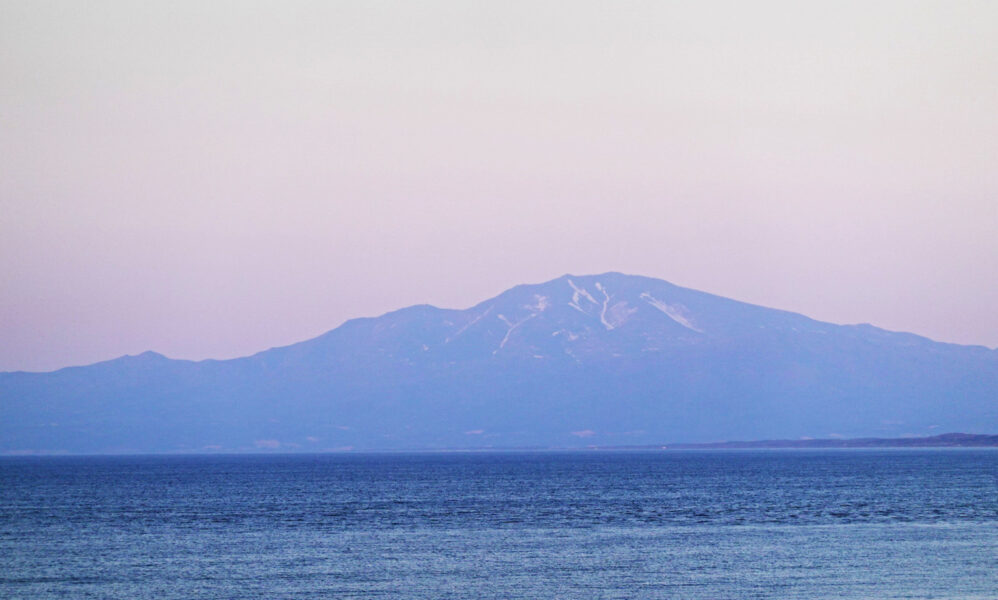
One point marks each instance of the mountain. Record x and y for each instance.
(608, 360)
(945, 440)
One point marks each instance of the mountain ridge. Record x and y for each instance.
(611, 358)
(943, 440)
(152, 354)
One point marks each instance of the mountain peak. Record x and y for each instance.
(147, 356)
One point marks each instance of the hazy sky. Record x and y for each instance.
(210, 179)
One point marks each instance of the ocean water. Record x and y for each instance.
(668, 524)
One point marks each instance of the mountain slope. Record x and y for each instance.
(609, 359)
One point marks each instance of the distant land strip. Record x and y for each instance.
(946, 440)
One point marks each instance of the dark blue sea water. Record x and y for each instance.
(670, 524)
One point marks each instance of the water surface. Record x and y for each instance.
(669, 524)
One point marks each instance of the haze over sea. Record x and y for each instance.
(666, 524)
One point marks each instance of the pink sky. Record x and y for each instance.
(213, 180)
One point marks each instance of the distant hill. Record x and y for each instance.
(946, 440)
(608, 360)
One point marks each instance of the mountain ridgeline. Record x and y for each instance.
(606, 360)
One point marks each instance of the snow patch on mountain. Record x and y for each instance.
(512, 326)
(676, 312)
(618, 314)
(469, 324)
(578, 293)
(570, 335)
(540, 303)
(581, 292)
(606, 301)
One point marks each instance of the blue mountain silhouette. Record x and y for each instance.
(605, 360)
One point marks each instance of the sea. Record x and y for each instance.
(696, 524)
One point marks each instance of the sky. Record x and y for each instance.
(211, 179)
